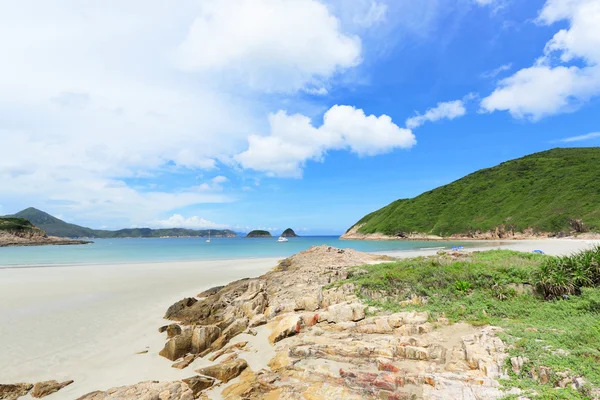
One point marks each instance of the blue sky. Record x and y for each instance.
(281, 113)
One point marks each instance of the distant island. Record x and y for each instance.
(289, 232)
(56, 227)
(20, 232)
(552, 193)
(258, 233)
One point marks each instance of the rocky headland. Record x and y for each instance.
(289, 232)
(19, 232)
(290, 334)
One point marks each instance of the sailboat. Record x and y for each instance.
(208, 240)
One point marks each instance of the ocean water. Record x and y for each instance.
(118, 251)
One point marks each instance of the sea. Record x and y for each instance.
(142, 250)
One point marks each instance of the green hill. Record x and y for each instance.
(549, 192)
(56, 227)
(16, 225)
(289, 232)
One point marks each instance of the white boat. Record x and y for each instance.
(208, 240)
(282, 239)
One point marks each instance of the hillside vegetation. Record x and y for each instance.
(259, 233)
(550, 192)
(57, 227)
(15, 225)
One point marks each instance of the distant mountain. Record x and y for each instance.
(56, 227)
(289, 232)
(259, 233)
(548, 193)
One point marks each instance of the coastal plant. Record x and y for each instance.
(463, 287)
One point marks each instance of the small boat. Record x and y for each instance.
(208, 240)
(282, 239)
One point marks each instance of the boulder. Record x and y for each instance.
(178, 346)
(179, 306)
(199, 383)
(14, 391)
(150, 390)
(43, 389)
(203, 337)
(173, 330)
(187, 360)
(287, 326)
(225, 371)
(257, 320)
(344, 312)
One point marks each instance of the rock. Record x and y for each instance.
(344, 312)
(150, 390)
(173, 330)
(210, 292)
(199, 383)
(227, 350)
(178, 346)
(288, 326)
(43, 389)
(257, 320)
(225, 371)
(180, 305)
(14, 391)
(544, 374)
(203, 337)
(517, 363)
(187, 360)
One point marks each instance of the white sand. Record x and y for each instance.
(86, 323)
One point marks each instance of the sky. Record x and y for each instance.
(269, 114)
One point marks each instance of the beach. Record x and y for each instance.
(88, 323)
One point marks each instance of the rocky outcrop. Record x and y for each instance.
(326, 346)
(43, 389)
(258, 233)
(14, 391)
(289, 232)
(144, 390)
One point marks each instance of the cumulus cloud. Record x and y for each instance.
(179, 221)
(273, 45)
(293, 139)
(553, 85)
(581, 138)
(93, 98)
(448, 110)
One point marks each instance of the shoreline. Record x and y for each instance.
(89, 324)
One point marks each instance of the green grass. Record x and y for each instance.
(498, 288)
(552, 191)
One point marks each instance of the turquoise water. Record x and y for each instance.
(114, 251)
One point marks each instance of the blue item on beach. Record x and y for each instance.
(539, 252)
(454, 248)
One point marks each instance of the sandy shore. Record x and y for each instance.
(87, 323)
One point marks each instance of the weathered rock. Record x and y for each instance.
(151, 390)
(225, 371)
(257, 320)
(173, 330)
(517, 363)
(178, 346)
(43, 389)
(14, 391)
(203, 337)
(227, 350)
(199, 383)
(187, 360)
(210, 292)
(343, 313)
(179, 306)
(288, 326)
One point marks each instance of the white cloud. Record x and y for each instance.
(485, 2)
(220, 179)
(553, 86)
(92, 99)
(448, 110)
(272, 45)
(581, 138)
(495, 72)
(293, 139)
(179, 221)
